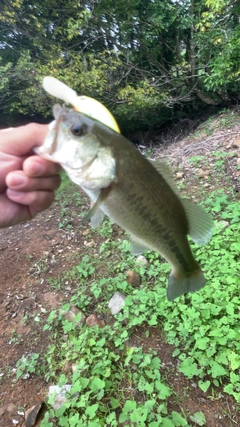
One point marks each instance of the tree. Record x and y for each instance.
(147, 60)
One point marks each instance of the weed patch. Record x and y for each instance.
(113, 382)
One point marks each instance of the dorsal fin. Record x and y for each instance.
(165, 171)
(200, 222)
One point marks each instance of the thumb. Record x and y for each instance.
(19, 141)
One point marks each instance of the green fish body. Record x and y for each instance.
(133, 191)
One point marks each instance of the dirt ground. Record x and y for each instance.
(25, 296)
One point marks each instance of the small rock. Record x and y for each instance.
(11, 408)
(60, 395)
(74, 367)
(133, 278)
(223, 225)
(225, 143)
(237, 142)
(141, 260)
(72, 313)
(179, 175)
(67, 367)
(92, 320)
(117, 302)
(129, 344)
(32, 413)
(89, 244)
(202, 174)
(238, 161)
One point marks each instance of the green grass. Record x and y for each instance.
(115, 382)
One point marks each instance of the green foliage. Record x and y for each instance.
(27, 365)
(209, 330)
(196, 160)
(142, 59)
(101, 372)
(198, 418)
(3, 78)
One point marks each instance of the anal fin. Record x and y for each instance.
(138, 246)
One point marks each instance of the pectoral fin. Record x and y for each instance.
(93, 213)
(97, 218)
(165, 171)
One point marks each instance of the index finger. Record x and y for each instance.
(19, 141)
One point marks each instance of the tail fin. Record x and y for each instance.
(177, 286)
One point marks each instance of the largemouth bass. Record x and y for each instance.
(134, 192)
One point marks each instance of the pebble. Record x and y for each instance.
(179, 175)
(237, 142)
(72, 313)
(141, 260)
(60, 397)
(31, 414)
(92, 320)
(89, 244)
(117, 302)
(133, 278)
(223, 225)
(202, 174)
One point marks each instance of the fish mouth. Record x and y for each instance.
(56, 130)
(84, 168)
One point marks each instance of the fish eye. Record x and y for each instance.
(77, 130)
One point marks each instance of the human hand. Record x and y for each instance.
(27, 181)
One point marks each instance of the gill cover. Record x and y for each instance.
(83, 104)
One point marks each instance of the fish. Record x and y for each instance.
(136, 193)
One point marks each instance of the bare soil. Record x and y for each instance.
(32, 252)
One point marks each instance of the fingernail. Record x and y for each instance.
(12, 194)
(36, 168)
(16, 180)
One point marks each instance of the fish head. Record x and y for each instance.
(74, 143)
(70, 140)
